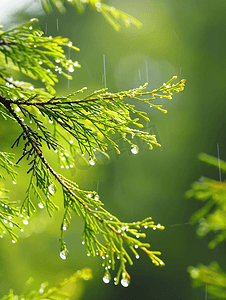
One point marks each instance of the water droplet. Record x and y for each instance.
(97, 197)
(134, 149)
(71, 142)
(71, 69)
(76, 64)
(5, 221)
(52, 189)
(41, 291)
(41, 205)
(91, 162)
(25, 222)
(11, 224)
(136, 246)
(125, 282)
(64, 254)
(21, 230)
(107, 277)
(154, 228)
(50, 122)
(65, 225)
(13, 241)
(69, 44)
(137, 256)
(98, 4)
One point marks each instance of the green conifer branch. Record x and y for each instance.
(8, 212)
(211, 277)
(88, 124)
(110, 13)
(64, 290)
(212, 216)
(7, 164)
(8, 216)
(28, 50)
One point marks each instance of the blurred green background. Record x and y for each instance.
(183, 38)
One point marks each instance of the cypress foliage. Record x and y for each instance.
(65, 125)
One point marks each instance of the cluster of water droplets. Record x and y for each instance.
(98, 6)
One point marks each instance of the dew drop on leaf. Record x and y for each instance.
(25, 222)
(52, 189)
